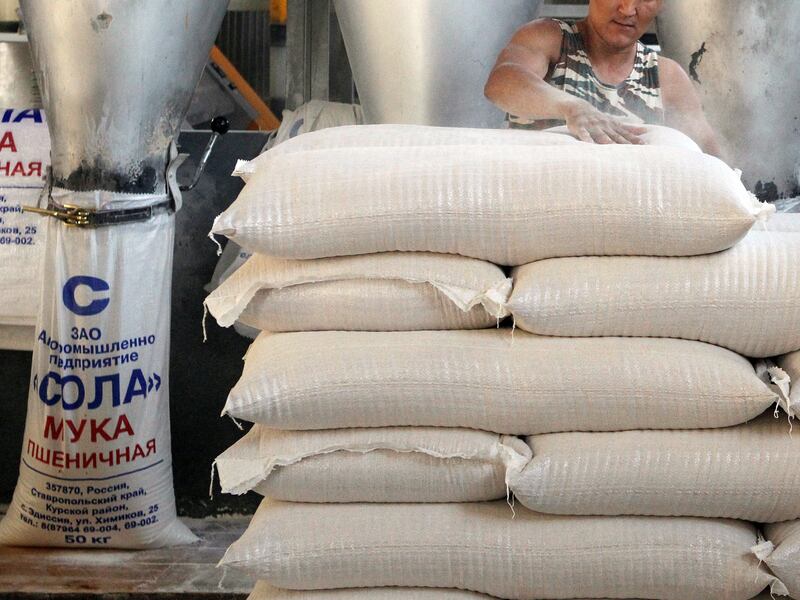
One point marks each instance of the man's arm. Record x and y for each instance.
(517, 86)
(682, 107)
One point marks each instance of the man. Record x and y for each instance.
(597, 77)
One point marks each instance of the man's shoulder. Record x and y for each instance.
(547, 28)
(677, 89)
(671, 72)
(541, 34)
(668, 63)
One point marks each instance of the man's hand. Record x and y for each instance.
(588, 124)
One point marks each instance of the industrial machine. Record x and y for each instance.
(116, 79)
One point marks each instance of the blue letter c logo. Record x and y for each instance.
(93, 283)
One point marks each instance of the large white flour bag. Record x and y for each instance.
(96, 466)
(24, 156)
(487, 548)
(509, 198)
(263, 591)
(744, 299)
(781, 553)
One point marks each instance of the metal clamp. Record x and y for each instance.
(81, 217)
(71, 215)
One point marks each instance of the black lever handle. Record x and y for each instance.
(219, 127)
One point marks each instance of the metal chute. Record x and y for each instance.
(425, 62)
(116, 78)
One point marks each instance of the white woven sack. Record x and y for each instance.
(316, 115)
(654, 135)
(783, 222)
(506, 203)
(389, 464)
(492, 380)
(374, 292)
(746, 299)
(790, 365)
(782, 553)
(231, 259)
(745, 472)
(398, 135)
(96, 460)
(263, 591)
(312, 116)
(481, 547)
(360, 305)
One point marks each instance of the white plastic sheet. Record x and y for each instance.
(24, 157)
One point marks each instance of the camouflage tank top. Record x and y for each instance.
(637, 99)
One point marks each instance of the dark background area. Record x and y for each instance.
(201, 374)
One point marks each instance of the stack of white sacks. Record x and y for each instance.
(396, 423)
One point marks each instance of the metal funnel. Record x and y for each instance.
(736, 52)
(425, 62)
(116, 78)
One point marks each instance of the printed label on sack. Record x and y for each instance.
(92, 374)
(95, 467)
(24, 157)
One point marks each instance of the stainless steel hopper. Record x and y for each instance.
(425, 62)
